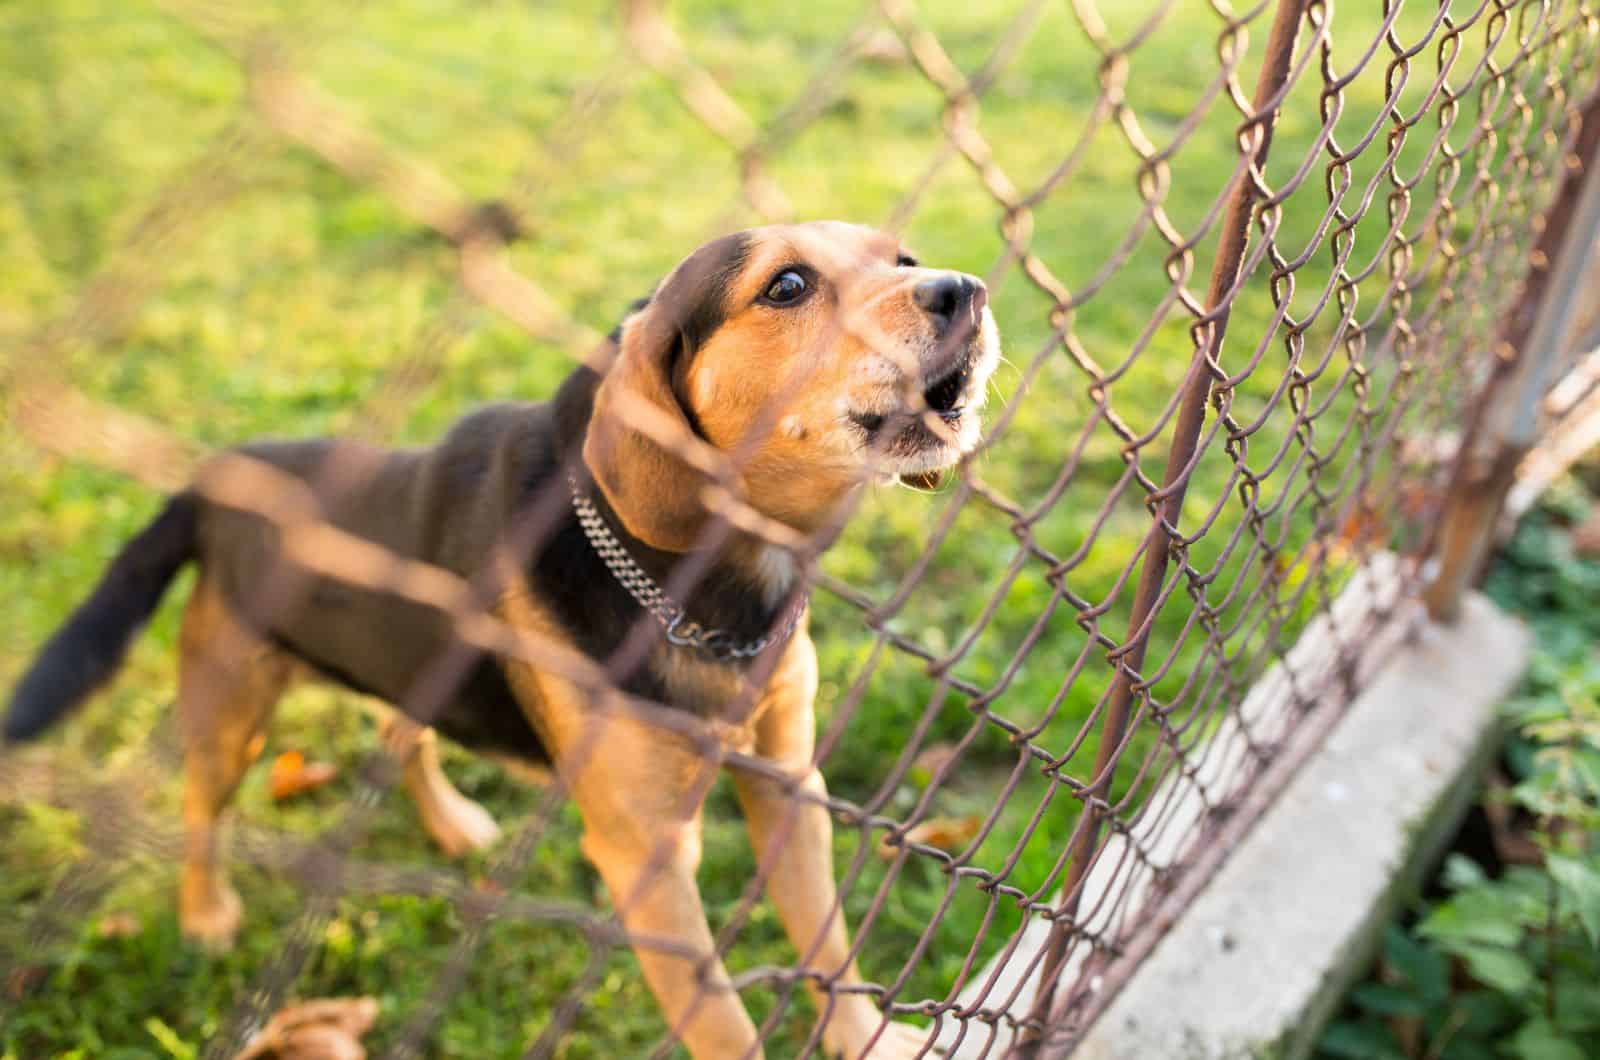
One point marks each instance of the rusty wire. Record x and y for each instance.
(1323, 414)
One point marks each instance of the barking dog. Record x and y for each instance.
(813, 358)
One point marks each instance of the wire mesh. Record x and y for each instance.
(1253, 268)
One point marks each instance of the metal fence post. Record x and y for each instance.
(1537, 333)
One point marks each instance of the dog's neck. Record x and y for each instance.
(745, 589)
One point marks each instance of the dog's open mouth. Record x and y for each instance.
(942, 397)
(913, 436)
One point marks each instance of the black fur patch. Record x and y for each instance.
(451, 506)
(693, 304)
(695, 297)
(570, 577)
(615, 335)
(482, 712)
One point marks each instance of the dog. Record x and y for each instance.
(811, 359)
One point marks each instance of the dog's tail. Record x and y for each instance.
(87, 650)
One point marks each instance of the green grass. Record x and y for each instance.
(280, 309)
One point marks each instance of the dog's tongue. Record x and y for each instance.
(923, 480)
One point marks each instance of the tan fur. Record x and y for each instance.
(228, 683)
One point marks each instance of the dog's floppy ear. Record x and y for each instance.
(654, 491)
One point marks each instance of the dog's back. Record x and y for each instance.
(446, 506)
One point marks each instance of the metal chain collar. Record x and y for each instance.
(680, 629)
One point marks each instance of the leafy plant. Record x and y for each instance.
(1508, 963)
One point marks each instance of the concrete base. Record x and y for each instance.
(1260, 960)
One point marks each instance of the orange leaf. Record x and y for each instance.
(292, 775)
(949, 834)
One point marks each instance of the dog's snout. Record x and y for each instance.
(949, 296)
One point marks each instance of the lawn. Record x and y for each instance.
(283, 304)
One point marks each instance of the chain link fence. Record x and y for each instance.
(1259, 269)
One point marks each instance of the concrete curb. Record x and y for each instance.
(1260, 960)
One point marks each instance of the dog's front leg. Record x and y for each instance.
(789, 823)
(649, 869)
(640, 790)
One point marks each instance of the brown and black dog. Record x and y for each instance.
(815, 358)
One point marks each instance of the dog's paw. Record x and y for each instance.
(459, 825)
(899, 1041)
(210, 915)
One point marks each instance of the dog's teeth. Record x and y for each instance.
(923, 480)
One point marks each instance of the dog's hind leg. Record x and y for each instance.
(454, 821)
(229, 679)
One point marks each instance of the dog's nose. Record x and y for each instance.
(950, 295)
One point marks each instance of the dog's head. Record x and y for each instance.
(815, 356)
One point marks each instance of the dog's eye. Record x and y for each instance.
(786, 287)
(905, 261)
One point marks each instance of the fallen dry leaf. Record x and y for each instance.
(292, 775)
(949, 834)
(325, 1029)
(932, 759)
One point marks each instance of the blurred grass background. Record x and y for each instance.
(282, 307)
